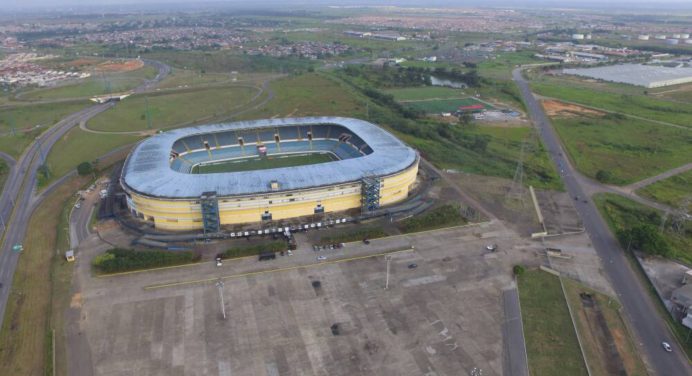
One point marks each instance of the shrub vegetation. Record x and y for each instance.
(443, 216)
(122, 260)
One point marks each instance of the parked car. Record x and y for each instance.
(321, 258)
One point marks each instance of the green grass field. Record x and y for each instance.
(629, 149)
(40, 291)
(621, 213)
(500, 68)
(25, 119)
(78, 146)
(595, 350)
(633, 104)
(309, 95)
(672, 191)
(551, 343)
(185, 77)
(4, 171)
(95, 85)
(174, 109)
(257, 163)
(437, 106)
(425, 92)
(500, 157)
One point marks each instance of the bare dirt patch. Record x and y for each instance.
(119, 66)
(82, 63)
(557, 108)
(76, 301)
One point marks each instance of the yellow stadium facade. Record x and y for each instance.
(186, 214)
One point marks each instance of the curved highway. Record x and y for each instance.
(638, 306)
(18, 200)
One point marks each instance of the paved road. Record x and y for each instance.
(516, 363)
(18, 199)
(639, 308)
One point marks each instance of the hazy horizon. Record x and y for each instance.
(38, 5)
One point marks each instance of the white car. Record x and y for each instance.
(290, 253)
(666, 346)
(321, 258)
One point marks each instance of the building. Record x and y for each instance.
(578, 36)
(648, 76)
(165, 184)
(643, 37)
(681, 302)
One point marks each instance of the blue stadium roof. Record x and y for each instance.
(148, 171)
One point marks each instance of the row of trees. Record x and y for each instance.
(398, 76)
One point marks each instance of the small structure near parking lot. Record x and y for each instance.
(69, 255)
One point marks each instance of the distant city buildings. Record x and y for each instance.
(20, 70)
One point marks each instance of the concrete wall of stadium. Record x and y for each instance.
(180, 215)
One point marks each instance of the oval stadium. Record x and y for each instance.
(208, 176)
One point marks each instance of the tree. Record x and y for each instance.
(518, 270)
(85, 168)
(646, 238)
(604, 176)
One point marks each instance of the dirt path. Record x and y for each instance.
(665, 175)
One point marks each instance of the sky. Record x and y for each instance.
(46, 4)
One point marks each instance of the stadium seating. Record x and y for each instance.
(325, 138)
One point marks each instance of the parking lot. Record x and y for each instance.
(299, 316)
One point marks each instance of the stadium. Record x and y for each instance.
(208, 176)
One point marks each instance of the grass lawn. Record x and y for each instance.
(501, 67)
(629, 149)
(425, 92)
(551, 343)
(309, 95)
(186, 77)
(672, 191)
(95, 85)
(594, 337)
(436, 106)
(621, 213)
(500, 157)
(4, 171)
(174, 109)
(633, 104)
(271, 161)
(25, 119)
(78, 146)
(40, 289)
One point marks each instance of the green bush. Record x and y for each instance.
(85, 168)
(351, 236)
(518, 270)
(604, 176)
(646, 238)
(443, 216)
(122, 260)
(252, 250)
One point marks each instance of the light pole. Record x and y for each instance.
(219, 284)
(386, 282)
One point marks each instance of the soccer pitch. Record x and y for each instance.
(263, 163)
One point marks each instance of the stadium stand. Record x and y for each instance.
(224, 145)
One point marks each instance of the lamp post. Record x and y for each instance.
(219, 285)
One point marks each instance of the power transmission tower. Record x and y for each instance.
(517, 191)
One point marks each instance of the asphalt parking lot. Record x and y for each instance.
(442, 317)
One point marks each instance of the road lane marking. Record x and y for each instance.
(284, 269)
